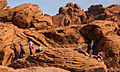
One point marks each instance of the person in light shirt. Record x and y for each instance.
(31, 46)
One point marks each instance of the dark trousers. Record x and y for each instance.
(21, 54)
(30, 51)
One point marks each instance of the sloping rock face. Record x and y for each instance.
(8, 36)
(65, 58)
(71, 14)
(46, 40)
(33, 69)
(6, 69)
(25, 16)
(41, 69)
(3, 4)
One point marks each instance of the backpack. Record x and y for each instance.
(40, 48)
(79, 47)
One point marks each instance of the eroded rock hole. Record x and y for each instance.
(92, 32)
(57, 38)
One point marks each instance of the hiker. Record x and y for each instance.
(15, 51)
(15, 58)
(22, 51)
(39, 49)
(12, 46)
(100, 54)
(31, 46)
(79, 47)
(90, 48)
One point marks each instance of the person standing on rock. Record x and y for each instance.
(79, 47)
(90, 48)
(100, 54)
(22, 51)
(15, 52)
(31, 46)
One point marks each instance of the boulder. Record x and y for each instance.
(96, 9)
(61, 20)
(114, 8)
(42, 22)
(6, 15)
(26, 16)
(3, 4)
(23, 14)
(71, 14)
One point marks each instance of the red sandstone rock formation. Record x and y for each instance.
(98, 12)
(33, 69)
(60, 35)
(71, 14)
(6, 69)
(66, 58)
(25, 16)
(3, 4)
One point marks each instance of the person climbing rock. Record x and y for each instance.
(12, 46)
(79, 47)
(39, 49)
(100, 54)
(15, 52)
(22, 51)
(90, 48)
(31, 46)
(15, 58)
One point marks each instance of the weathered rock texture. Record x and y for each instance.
(32, 69)
(3, 4)
(60, 35)
(98, 12)
(25, 16)
(71, 14)
(65, 58)
(6, 69)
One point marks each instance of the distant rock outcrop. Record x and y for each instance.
(98, 12)
(71, 14)
(3, 4)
